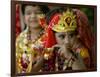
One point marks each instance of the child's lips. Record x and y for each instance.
(33, 21)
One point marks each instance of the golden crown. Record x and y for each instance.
(66, 23)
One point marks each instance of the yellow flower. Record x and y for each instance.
(84, 52)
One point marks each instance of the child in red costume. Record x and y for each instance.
(69, 31)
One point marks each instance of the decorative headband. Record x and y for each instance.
(67, 22)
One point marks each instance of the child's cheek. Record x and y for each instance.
(27, 19)
(60, 41)
(57, 39)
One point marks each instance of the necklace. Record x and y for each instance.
(38, 36)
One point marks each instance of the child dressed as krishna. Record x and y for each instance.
(74, 39)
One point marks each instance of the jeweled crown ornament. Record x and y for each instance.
(66, 23)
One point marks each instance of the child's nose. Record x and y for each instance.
(33, 15)
(66, 40)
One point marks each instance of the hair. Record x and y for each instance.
(43, 8)
(84, 29)
(52, 12)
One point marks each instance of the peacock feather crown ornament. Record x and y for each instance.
(67, 22)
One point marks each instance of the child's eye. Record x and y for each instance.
(38, 12)
(28, 13)
(71, 35)
(62, 36)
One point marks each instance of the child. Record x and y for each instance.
(29, 42)
(72, 51)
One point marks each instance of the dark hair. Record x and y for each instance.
(52, 12)
(43, 8)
